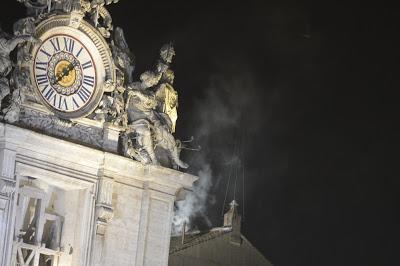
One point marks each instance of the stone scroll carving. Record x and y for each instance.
(7, 186)
(104, 209)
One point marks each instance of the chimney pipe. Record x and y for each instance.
(183, 232)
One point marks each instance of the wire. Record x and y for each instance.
(229, 181)
(243, 191)
(227, 188)
(235, 166)
(236, 176)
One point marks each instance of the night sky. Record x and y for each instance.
(305, 94)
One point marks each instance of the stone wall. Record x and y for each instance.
(114, 211)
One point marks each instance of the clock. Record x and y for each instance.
(70, 67)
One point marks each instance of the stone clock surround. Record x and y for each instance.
(99, 52)
(127, 208)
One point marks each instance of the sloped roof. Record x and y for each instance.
(214, 247)
(195, 238)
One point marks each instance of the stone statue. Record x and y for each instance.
(139, 108)
(165, 93)
(112, 108)
(148, 125)
(99, 15)
(20, 77)
(152, 129)
(23, 33)
(39, 7)
(7, 45)
(104, 109)
(164, 139)
(167, 99)
(35, 7)
(67, 5)
(123, 57)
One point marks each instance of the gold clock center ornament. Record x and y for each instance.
(65, 73)
(70, 67)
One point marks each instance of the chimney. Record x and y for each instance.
(233, 219)
(183, 232)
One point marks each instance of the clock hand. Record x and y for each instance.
(65, 72)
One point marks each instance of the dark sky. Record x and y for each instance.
(306, 90)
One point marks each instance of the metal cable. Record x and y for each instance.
(227, 186)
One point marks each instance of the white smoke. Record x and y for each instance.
(227, 102)
(195, 203)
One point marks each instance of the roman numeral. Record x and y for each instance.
(88, 64)
(41, 66)
(46, 53)
(74, 103)
(79, 52)
(84, 94)
(88, 80)
(42, 79)
(49, 93)
(62, 102)
(69, 44)
(56, 44)
(45, 87)
(54, 99)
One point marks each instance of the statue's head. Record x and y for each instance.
(149, 78)
(167, 52)
(24, 26)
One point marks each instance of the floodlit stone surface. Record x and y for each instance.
(76, 205)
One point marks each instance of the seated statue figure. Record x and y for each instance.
(151, 129)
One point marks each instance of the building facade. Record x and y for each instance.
(62, 203)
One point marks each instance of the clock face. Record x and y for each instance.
(70, 66)
(65, 73)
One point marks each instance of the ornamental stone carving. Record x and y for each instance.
(104, 209)
(108, 110)
(7, 186)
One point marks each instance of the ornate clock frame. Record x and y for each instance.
(105, 72)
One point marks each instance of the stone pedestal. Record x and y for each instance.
(76, 205)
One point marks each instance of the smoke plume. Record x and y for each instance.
(226, 108)
(195, 203)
